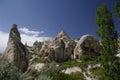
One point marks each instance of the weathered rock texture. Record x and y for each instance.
(37, 46)
(44, 48)
(61, 48)
(87, 45)
(16, 52)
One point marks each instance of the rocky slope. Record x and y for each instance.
(16, 52)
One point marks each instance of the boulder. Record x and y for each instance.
(87, 45)
(72, 70)
(61, 48)
(16, 52)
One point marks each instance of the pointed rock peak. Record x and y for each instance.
(14, 33)
(15, 51)
(62, 33)
(14, 26)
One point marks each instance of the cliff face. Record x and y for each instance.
(16, 52)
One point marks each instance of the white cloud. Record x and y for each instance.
(31, 39)
(30, 32)
(27, 36)
(3, 41)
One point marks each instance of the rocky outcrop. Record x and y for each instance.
(16, 52)
(87, 45)
(37, 46)
(44, 48)
(61, 48)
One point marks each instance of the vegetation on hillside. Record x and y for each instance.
(110, 64)
(109, 36)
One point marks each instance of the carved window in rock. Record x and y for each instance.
(76, 56)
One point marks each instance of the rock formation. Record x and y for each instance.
(37, 46)
(87, 45)
(16, 52)
(61, 48)
(45, 47)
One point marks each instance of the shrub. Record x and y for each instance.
(62, 76)
(85, 58)
(43, 77)
(26, 77)
(77, 76)
(69, 63)
(9, 72)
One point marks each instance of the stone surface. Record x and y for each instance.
(44, 48)
(16, 52)
(87, 45)
(37, 46)
(72, 70)
(118, 55)
(39, 67)
(61, 48)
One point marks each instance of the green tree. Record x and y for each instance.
(109, 36)
(117, 9)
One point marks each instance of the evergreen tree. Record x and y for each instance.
(117, 9)
(109, 36)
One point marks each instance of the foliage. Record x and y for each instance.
(26, 77)
(90, 60)
(43, 60)
(9, 72)
(43, 77)
(73, 76)
(98, 71)
(109, 36)
(69, 63)
(77, 76)
(117, 9)
(85, 58)
(62, 76)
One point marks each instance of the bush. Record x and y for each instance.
(77, 76)
(26, 77)
(69, 63)
(62, 76)
(43, 77)
(9, 72)
(85, 58)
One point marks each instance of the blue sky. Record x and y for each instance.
(76, 17)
